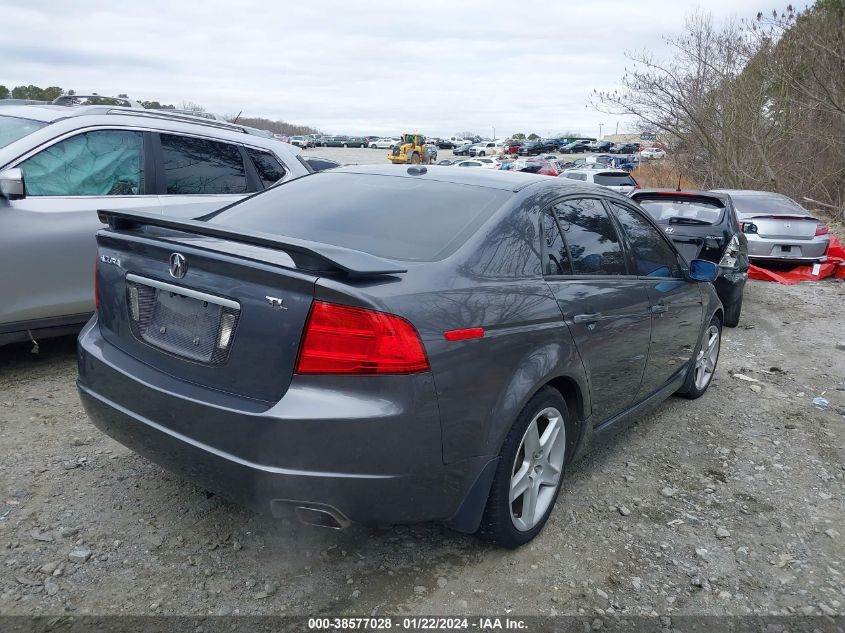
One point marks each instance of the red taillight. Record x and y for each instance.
(637, 187)
(345, 340)
(822, 229)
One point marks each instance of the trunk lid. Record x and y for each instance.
(783, 226)
(230, 323)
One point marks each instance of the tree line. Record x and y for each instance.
(36, 93)
(754, 104)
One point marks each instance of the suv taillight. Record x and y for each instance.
(346, 340)
(821, 229)
(731, 254)
(97, 284)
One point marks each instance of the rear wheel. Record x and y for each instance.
(528, 477)
(700, 372)
(415, 159)
(732, 311)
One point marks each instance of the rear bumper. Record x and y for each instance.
(316, 447)
(775, 249)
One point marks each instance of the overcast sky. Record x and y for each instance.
(351, 66)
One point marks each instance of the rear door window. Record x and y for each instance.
(652, 254)
(195, 165)
(270, 170)
(98, 163)
(591, 238)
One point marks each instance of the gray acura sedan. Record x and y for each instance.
(393, 344)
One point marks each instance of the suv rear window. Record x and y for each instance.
(663, 209)
(398, 218)
(13, 128)
(611, 179)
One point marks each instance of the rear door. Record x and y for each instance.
(676, 305)
(47, 238)
(605, 308)
(197, 175)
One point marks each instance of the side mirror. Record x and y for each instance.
(702, 270)
(748, 227)
(11, 184)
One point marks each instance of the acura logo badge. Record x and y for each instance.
(178, 265)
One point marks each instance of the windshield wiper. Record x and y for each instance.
(680, 220)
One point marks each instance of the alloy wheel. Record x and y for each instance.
(537, 469)
(708, 354)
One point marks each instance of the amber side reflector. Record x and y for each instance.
(463, 335)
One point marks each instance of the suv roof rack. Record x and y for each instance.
(95, 99)
(189, 118)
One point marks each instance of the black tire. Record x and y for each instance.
(497, 526)
(732, 311)
(690, 389)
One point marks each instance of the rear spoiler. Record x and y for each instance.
(303, 252)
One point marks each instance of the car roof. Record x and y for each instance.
(490, 178)
(749, 192)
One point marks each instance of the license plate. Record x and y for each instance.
(184, 325)
(786, 249)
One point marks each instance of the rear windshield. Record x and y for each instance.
(663, 209)
(13, 128)
(394, 217)
(614, 180)
(767, 205)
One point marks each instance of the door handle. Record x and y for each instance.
(660, 308)
(587, 318)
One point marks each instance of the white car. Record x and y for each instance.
(616, 179)
(384, 143)
(299, 141)
(653, 152)
(484, 163)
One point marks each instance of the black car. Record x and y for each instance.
(531, 148)
(625, 148)
(463, 150)
(444, 143)
(600, 146)
(704, 225)
(576, 147)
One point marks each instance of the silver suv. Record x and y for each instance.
(60, 164)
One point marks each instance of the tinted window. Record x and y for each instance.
(576, 176)
(101, 163)
(270, 170)
(398, 218)
(13, 128)
(612, 179)
(664, 209)
(555, 259)
(591, 237)
(652, 254)
(199, 166)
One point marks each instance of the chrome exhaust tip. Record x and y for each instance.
(314, 514)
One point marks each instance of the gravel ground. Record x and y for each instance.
(730, 504)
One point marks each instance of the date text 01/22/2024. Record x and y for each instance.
(416, 624)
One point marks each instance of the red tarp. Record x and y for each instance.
(834, 266)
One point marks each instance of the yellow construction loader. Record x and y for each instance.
(414, 150)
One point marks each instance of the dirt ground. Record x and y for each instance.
(730, 504)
